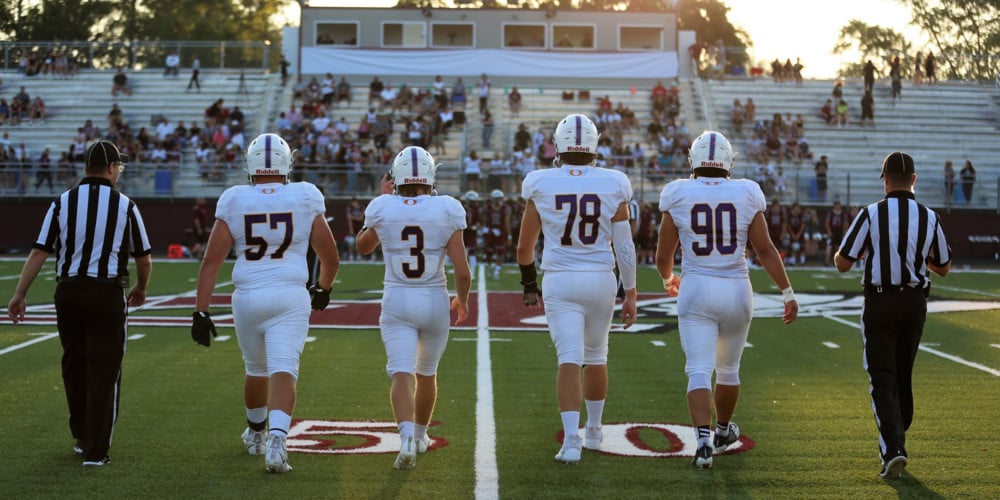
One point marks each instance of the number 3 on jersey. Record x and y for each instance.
(414, 271)
(586, 208)
(717, 226)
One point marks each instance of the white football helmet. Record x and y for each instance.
(268, 154)
(711, 149)
(496, 194)
(576, 134)
(413, 165)
(471, 196)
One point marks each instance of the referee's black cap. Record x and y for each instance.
(897, 162)
(103, 154)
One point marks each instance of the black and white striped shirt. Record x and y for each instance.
(898, 236)
(93, 229)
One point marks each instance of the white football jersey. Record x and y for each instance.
(713, 216)
(576, 204)
(271, 225)
(414, 233)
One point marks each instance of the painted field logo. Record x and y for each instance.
(656, 440)
(336, 437)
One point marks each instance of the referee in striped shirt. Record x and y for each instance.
(904, 240)
(92, 229)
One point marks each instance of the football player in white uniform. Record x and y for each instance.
(416, 231)
(581, 211)
(270, 223)
(712, 217)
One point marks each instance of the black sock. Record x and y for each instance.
(257, 427)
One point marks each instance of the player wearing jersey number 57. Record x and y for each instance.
(270, 223)
(712, 217)
(581, 210)
(416, 231)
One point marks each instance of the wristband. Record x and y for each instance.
(667, 280)
(788, 295)
(528, 274)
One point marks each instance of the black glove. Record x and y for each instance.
(202, 327)
(320, 298)
(531, 293)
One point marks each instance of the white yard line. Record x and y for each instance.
(831, 345)
(42, 338)
(965, 290)
(926, 348)
(487, 475)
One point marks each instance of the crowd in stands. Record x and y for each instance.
(21, 108)
(51, 64)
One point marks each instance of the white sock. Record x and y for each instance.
(257, 415)
(280, 422)
(571, 423)
(405, 429)
(595, 409)
(419, 431)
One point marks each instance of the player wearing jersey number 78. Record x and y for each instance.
(416, 231)
(582, 210)
(712, 217)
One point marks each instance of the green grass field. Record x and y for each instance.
(804, 404)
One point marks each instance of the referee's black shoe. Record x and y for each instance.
(97, 463)
(893, 465)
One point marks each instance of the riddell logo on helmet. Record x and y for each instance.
(716, 164)
(414, 180)
(577, 149)
(266, 171)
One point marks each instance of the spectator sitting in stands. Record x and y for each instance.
(458, 97)
(37, 110)
(313, 90)
(659, 96)
(4, 111)
(115, 115)
(237, 116)
(389, 96)
(216, 113)
(327, 89)
(375, 90)
(440, 93)
(749, 111)
(514, 101)
(838, 90)
(173, 62)
(159, 153)
(827, 112)
(772, 147)
(119, 84)
(604, 104)
(842, 113)
(737, 114)
(16, 111)
(404, 99)
(343, 91)
(792, 148)
(804, 152)
(164, 129)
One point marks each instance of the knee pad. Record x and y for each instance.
(699, 380)
(573, 357)
(595, 356)
(283, 364)
(728, 377)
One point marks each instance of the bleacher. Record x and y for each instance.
(934, 123)
(72, 101)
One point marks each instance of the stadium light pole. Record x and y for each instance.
(298, 60)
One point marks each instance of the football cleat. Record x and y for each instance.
(255, 441)
(422, 444)
(407, 458)
(592, 438)
(78, 448)
(571, 449)
(703, 457)
(720, 443)
(276, 457)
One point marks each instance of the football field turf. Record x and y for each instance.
(804, 410)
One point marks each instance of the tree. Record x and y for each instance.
(873, 42)
(965, 34)
(53, 20)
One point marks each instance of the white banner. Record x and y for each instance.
(494, 62)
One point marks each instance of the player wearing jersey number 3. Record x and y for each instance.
(582, 210)
(416, 231)
(270, 224)
(712, 216)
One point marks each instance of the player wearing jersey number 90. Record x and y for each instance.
(712, 217)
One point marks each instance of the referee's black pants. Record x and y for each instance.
(91, 316)
(892, 324)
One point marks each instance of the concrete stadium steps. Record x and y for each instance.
(934, 123)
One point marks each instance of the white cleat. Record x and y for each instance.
(422, 444)
(276, 458)
(571, 449)
(592, 438)
(407, 458)
(255, 441)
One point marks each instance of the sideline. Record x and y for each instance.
(487, 475)
(926, 348)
